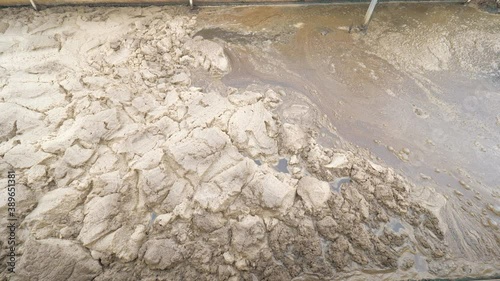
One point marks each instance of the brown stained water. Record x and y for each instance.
(424, 79)
(420, 89)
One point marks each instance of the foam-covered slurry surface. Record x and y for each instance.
(127, 172)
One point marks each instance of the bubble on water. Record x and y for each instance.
(417, 158)
(470, 103)
(438, 135)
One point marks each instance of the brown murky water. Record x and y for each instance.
(446, 118)
(420, 89)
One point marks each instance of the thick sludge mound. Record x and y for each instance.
(126, 172)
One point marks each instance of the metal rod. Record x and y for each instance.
(33, 5)
(369, 13)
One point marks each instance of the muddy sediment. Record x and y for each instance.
(412, 89)
(149, 146)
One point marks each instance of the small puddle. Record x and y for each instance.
(153, 217)
(396, 225)
(336, 185)
(282, 166)
(421, 264)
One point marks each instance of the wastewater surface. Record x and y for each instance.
(420, 89)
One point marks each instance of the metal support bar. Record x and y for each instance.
(369, 13)
(34, 5)
(47, 3)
